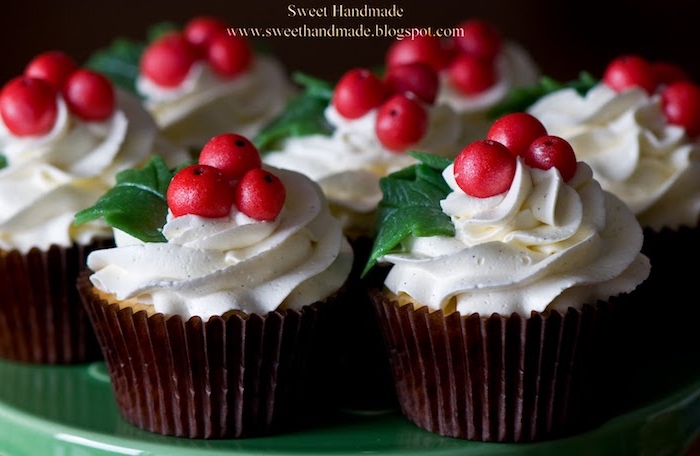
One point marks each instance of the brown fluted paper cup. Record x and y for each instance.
(41, 317)
(498, 379)
(232, 376)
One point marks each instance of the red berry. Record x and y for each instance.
(428, 49)
(680, 102)
(53, 67)
(401, 122)
(199, 31)
(484, 168)
(229, 55)
(357, 92)
(472, 75)
(28, 106)
(417, 77)
(233, 154)
(89, 95)
(168, 60)
(667, 72)
(547, 151)
(516, 131)
(480, 39)
(630, 71)
(260, 195)
(200, 190)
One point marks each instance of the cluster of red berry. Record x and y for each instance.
(680, 96)
(401, 96)
(28, 103)
(486, 167)
(229, 171)
(168, 59)
(468, 59)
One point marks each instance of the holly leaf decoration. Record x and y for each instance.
(137, 203)
(303, 114)
(3, 161)
(519, 99)
(410, 205)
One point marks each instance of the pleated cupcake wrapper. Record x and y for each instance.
(230, 377)
(42, 319)
(498, 379)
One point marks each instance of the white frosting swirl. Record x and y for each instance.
(514, 68)
(543, 244)
(210, 266)
(634, 152)
(205, 104)
(50, 177)
(349, 163)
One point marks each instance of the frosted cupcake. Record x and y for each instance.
(58, 160)
(500, 303)
(478, 68)
(236, 271)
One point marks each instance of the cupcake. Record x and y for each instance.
(478, 68)
(208, 307)
(201, 80)
(65, 132)
(638, 128)
(508, 268)
(346, 137)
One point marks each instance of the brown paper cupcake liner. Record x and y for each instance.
(499, 379)
(229, 377)
(41, 317)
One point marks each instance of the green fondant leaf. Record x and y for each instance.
(302, 116)
(411, 205)
(519, 99)
(3, 161)
(136, 204)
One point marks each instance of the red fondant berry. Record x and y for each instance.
(200, 30)
(484, 168)
(428, 49)
(260, 195)
(168, 60)
(480, 39)
(401, 122)
(547, 151)
(472, 75)
(200, 190)
(53, 67)
(28, 106)
(229, 55)
(417, 77)
(89, 95)
(680, 102)
(516, 131)
(233, 154)
(628, 71)
(357, 92)
(666, 72)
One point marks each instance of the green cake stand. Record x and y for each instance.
(70, 411)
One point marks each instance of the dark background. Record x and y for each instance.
(563, 37)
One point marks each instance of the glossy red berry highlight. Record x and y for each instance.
(260, 195)
(168, 60)
(480, 39)
(229, 55)
(89, 95)
(233, 154)
(401, 122)
(472, 75)
(357, 92)
(200, 31)
(200, 190)
(628, 71)
(417, 78)
(28, 106)
(552, 151)
(516, 131)
(484, 168)
(428, 49)
(53, 67)
(680, 102)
